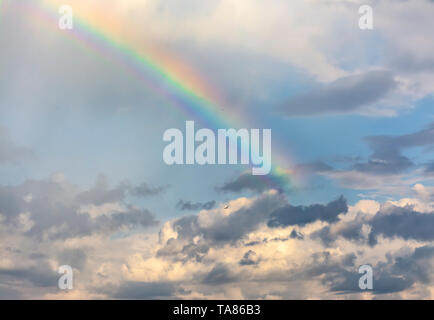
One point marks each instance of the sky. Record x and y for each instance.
(82, 177)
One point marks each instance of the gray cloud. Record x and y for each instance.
(396, 274)
(101, 193)
(7, 293)
(54, 209)
(220, 274)
(347, 282)
(188, 205)
(76, 258)
(387, 157)
(129, 219)
(402, 222)
(342, 96)
(390, 221)
(144, 290)
(38, 276)
(296, 235)
(249, 259)
(234, 226)
(248, 182)
(409, 63)
(144, 190)
(300, 215)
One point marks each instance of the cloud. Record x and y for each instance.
(387, 160)
(144, 190)
(392, 221)
(347, 94)
(101, 193)
(387, 157)
(38, 276)
(395, 275)
(299, 215)
(220, 274)
(220, 227)
(144, 290)
(257, 184)
(188, 205)
(249, 259)
(204, 255)
(55, 209)
(74, 257)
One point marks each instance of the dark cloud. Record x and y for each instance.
(188, 205)
(396, 274)
(248, 182)
(129, 219)
(38, 276)
(402, 222)
(220, 274)
(144, 290)
(342, 96)
(387, 155)
(300, 215)
(144, 190)
(249, 259)
(228, 228)
(296, 235)
(55, 209)
(390, 221)
(348, 282)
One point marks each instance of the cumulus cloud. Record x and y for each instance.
(254, 247)
(54, 208)
(220, 227)
(224, 253)
(405, 222)
(299, 215)
(396, 275)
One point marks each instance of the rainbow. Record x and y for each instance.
(172, 80)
